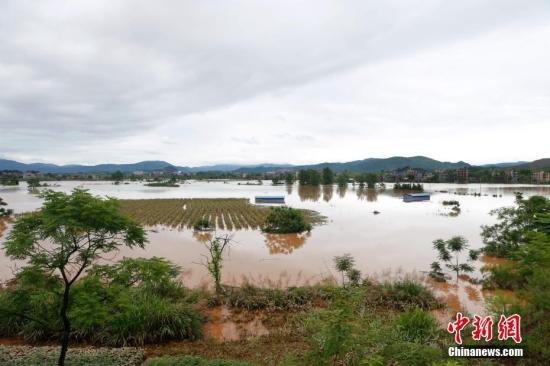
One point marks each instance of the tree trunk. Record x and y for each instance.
(66, 326)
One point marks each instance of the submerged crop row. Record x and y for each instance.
(223, 213)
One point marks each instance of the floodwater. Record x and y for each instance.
(396, 240)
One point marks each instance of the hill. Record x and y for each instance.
(536, 164)
(360, 166)
(103, 168)
(369, 165)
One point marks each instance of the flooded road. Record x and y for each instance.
(398, 239)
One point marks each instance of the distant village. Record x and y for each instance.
(462, 175)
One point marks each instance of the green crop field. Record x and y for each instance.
(223, 213)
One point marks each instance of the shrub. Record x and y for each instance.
(285, 220)
(202, 224)
(133, 302)
(451, 203)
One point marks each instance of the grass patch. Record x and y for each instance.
(46, 356)
(191, 361)
(222, 213)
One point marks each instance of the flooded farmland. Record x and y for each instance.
(392, 243)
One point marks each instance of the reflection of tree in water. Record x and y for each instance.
(370, 194)
(309, 193)
(342, 191)
(328, 190)
(289, 189)
(202, 236)
(285, 243)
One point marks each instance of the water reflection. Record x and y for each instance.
(309, 193)
(342, 191)
(369, 193)
(328, 191)
(289, 189)
(202, 236)
(285, 243)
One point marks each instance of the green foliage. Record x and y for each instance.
(4, 212)
(522, 234)
(514, 223)
(250, 297)
(202, 224)
(67, 235)
(536, 315)
(47, 356)
(332, 332)
(401, 295)
(342, 179)
(449, 252)
(9, 182)
(33, 182)
(344, 264)
(282, 220)
(191, 361)
(117, 176)
(132, 302)
(309, 177)
(417, 326)
(214, 260)
(450, 203)
(370, 179)
(327, 176)
(78, 227)
(416, 187)
(289, 178)
(348, 334)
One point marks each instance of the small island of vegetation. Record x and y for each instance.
(283, 220)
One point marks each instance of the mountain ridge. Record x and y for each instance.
(364, 165)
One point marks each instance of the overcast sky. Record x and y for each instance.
(201, 82)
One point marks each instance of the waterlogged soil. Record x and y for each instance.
(223, 325)
(398, 239)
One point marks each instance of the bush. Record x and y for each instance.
(202, 224)
(451, 203)
(191, 361)
(285, 220)
(133, 302)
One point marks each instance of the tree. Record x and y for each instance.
(344, 264)
(309, 177)
(449, 252)
(504, 237)
(289, 178)
(33, 182)
(117, 176)
(342, 179)
(328, 176)
(371, 180)
(214, 259)
(4, 212)
(66, 236)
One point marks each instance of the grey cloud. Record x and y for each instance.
(90, 71)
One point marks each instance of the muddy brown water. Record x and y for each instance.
(397, 240)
